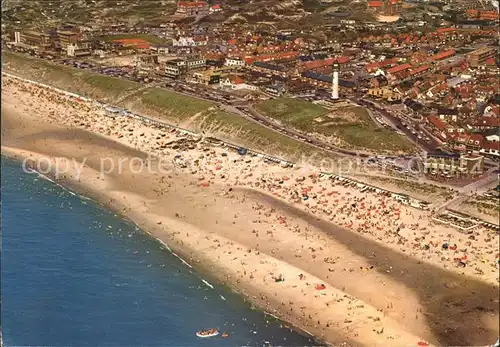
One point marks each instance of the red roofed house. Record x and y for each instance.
(438, 125)
(491, 148)
(318, 64)
(485, 123)
(372, 67)
(419, 70)
(193, 8)
(398, 68)
(478, 14)
(443, 55)
(234, 82)
(446, 30)
(475, 142)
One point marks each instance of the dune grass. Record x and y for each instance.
(351, 125)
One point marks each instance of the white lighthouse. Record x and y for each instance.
(335, 82)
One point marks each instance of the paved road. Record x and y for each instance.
(397, 125)
(296, 135)
(250, 113)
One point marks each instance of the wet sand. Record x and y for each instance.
(374, 294)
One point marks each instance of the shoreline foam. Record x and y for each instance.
(146, 217)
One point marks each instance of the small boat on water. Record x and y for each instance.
(208, 333)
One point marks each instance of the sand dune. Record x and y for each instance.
(230, 216)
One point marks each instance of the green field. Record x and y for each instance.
(351, 125)
(44, 14)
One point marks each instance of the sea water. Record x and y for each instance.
(75, 274)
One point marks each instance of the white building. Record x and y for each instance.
(160, 49)
(234, 62)
(215, 9)
(190, 41)
(234, 82)
(73, 50)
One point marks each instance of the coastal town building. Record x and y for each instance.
(393, 7)
(175, 68)
(40, 40)
(178, 67)
(76, 50)
(437, 80)
(232, 82)
(209, 77)
(193, 8)
(195, 41)
(66, 38)
(480, 56)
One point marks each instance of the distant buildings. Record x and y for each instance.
(482, 14)
(176, 68)
(386, 7)
(234, 62)
(195, 41)
(193, 8)
(215, 9)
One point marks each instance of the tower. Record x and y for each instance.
(335, 82)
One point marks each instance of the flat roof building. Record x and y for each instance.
(479, 56)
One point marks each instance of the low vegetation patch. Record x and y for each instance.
(350, 127)
(236, 129)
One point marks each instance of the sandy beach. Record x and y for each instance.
(358, 268)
